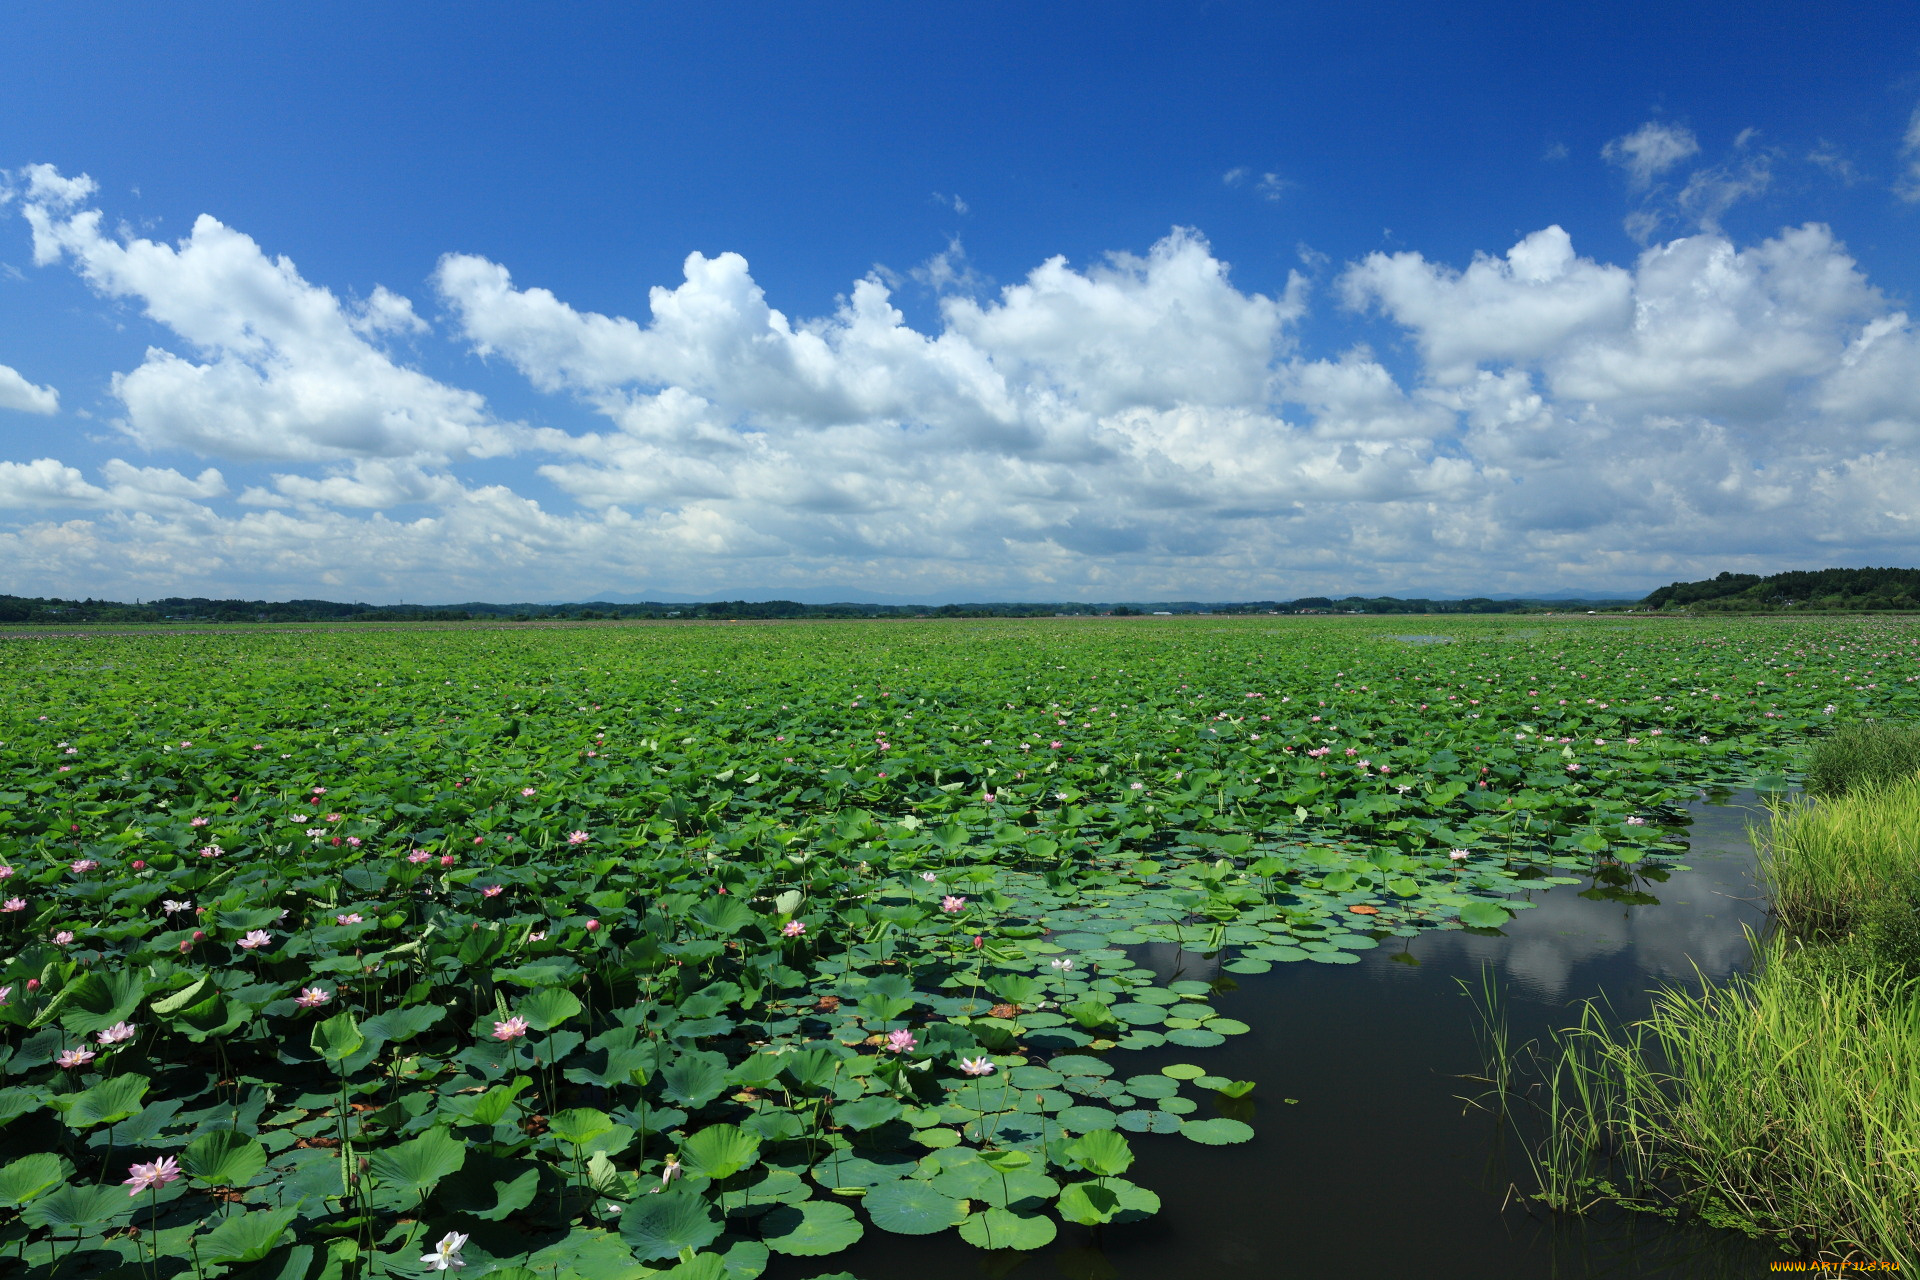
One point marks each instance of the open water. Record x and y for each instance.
(1378, 1166)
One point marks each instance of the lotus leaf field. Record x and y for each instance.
(614, 951)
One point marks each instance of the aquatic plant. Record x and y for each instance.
(592, 951)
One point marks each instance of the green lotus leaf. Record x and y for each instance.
(1004, 1229)
(1088, 1203)
(548, 1007)
(1217, 1132)
(1149, 1121)
(1484, 915)
(95, 1001)
(1102, 1153)
(694, 1079)
(245, 1237)
(70, 1207)
(660, 1226)
(811, 1229)
(415, 1166)
(338, 1038)
(223, 1158)
(489, 1187)
(842, 1170)
(910, 1207)
(30, 1176)
(579, 1125)
(866, 1113)
(719, 1151)
(106, 1103)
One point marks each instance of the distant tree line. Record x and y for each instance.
(1848, 590)
(54, 611)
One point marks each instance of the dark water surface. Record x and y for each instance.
(1379, 1168)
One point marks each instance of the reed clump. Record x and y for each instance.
(1784, 1102)
(1857, 756)
(1828, 862)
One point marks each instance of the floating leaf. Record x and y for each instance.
(910, 1207)
(1484, 915)
(1004, 1229)
(810, 1229)
(1217, 1132)
(866, 1113)
(660, 1226)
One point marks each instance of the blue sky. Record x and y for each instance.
(1215, 301)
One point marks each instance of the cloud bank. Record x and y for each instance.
(1140, 426)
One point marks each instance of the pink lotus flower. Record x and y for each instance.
(212, 851)
(351, 917)
(593, 926)
(256, 939)
(793, 929)
(83, 866)
(1458, 855)
(118, 1033)
(977, 1066)
(511, 1029)
(418, 856)
(578, 837)
(152, 1176)
(74, 1058)
(527, 791)
(901, 1041)
(928, 876)
(5, 872)
(63, 938)
(199, 822)
(14, 904)
(446, 859)
(493, 891)
(312, 997)
(1636, 822)
(4, 993)
(952, 904)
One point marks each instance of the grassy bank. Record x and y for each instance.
(1785, 1103)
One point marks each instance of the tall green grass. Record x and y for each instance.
(1863, 755)
(1784, 1104)
(1826, 862)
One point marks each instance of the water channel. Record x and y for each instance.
(1368, 1162)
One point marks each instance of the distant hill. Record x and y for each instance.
(52, 611)
(1818, 589)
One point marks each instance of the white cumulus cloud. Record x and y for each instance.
(18, 393)
(280, 367)
(1140, 426)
